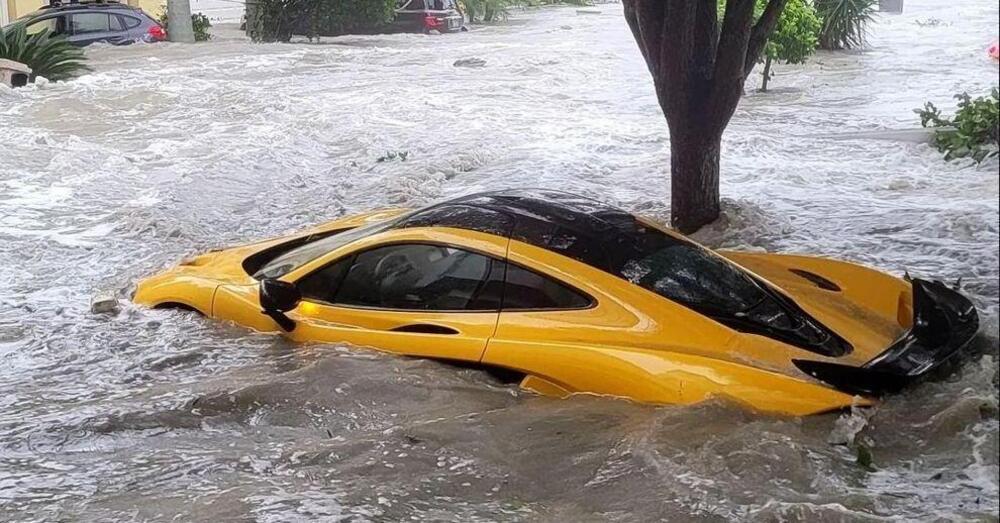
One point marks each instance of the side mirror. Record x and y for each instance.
(278, 297)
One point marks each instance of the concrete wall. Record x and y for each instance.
(152, 7)
(19, 8)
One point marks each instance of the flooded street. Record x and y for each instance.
(167, 150)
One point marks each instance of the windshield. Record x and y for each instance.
(294, 258)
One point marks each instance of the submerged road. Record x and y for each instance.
(167, 150)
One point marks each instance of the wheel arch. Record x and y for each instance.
(178, 305)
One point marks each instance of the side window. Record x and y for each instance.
(54, 24)
(415, 5)
(83, 23)
(414, 277)
(322, 285)
(116, 23)
(130, 22)
(527, 290)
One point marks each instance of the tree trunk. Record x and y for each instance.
(767, 74)
(694, 177)
(699, 64)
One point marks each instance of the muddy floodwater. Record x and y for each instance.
(168, 150)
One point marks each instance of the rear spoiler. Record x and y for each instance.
(944, 324)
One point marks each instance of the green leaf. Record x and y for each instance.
(48, 55)
(976, 124)
(845, 22)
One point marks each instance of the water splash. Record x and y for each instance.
(168, 150)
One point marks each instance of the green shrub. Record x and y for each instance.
(496, 10)
(973, 132)
(199, 22)
(487, 10)
(845, 22)
(794, 39)
(277, 20)
(48, 56)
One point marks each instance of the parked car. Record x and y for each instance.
(429, 15)
(84, 23)
(571, 295)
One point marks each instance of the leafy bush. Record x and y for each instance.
(48, 56)
(496, 10)
(794, 39)
(845, 22)
(487, 10)
(974, 130)
(277, 20)
(199, 22)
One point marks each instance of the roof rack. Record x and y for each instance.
(61, 3)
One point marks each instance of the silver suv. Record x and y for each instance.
(84, 23)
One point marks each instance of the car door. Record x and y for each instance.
(415, 298)
(554, 327)
(90, 27)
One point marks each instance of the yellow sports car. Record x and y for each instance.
(573, 296)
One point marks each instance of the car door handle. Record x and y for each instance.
(425, 328)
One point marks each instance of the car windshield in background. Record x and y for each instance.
(296, 257)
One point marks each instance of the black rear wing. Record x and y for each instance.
(944, 324)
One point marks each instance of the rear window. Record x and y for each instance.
(686, 273)
(412, 5)
(623, 245)
(131, 22)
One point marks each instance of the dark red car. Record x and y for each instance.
(429, 15)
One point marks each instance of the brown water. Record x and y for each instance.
(168, 150)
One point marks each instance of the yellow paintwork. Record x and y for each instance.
(632, 343)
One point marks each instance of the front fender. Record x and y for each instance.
(176, 287)
(241, 304)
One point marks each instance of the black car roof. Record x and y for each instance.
(569, 224)
(617, 242)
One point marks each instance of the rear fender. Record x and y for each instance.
(658, 376)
